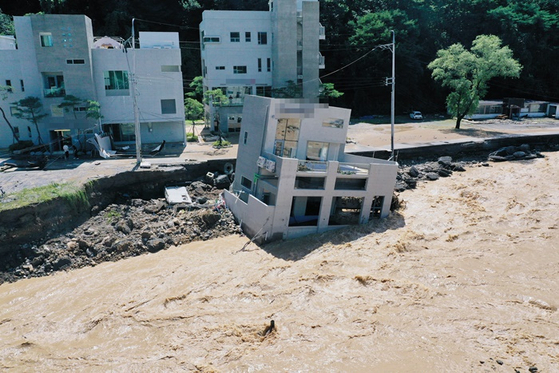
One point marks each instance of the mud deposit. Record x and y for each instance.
(464, 279)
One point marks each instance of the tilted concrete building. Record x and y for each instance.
(254, 52)
(293, 177)
(57, 55)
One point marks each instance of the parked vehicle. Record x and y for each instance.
(416, 115)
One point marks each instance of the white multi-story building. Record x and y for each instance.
(254, 52)
(293, 176)
(57, 55)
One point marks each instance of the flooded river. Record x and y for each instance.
(464, 279)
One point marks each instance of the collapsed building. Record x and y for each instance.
(293, 177)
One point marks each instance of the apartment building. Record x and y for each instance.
(293, 177)
(255, 52)
(57, 55)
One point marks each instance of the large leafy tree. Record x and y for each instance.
(31, 109)
(6, 24)
(467, 72)
(193, 111)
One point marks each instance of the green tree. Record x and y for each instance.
(30, 109)
(69, 103)
(197, 86)
(290, 90)
(193, 111)
(93, 111)
(4, 95)
(216, 97)
(327, 91)
(467, 73)
(6, 24)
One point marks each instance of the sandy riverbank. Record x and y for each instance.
(466, 275)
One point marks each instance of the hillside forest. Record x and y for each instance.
(355, 29)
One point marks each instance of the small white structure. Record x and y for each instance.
(293, 177)
(553, 111)
(488, 109)
(177, 194)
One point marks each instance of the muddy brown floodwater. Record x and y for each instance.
(464, 279)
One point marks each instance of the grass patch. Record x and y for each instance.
(113, 215)
(76, 196)
(222, 144)
(190, 137)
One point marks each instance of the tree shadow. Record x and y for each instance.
(298, 248)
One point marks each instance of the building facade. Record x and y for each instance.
(256, 52)
(293, 176)
(57, 55)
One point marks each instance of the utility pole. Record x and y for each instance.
(392, 96)
(392, 81)
(137, 131)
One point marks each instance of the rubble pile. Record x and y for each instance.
(128, 228)
(514, 153)
(408, 177)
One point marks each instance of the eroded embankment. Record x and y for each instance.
(39, 222)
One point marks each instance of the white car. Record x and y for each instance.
(416, 115)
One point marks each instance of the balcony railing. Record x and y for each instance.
(353, 169)
(321, 61)
(312, 166)
(54, 92)
(321, 32)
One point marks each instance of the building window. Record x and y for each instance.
(16, 131)
(239, 69)
(29, 132)
(9, 87)
(22, 85)
(77, 61)
(235, 37)
(121, 131)
(170, 69)
(53, 85)
(335, 123)
(245, 138)
(317, 151)
(220, 67)
(46, 39)
(269, 65)
(14, 111)
(168, 106)
(247, 37)
(116, 83)
(287, 137)
(259, 64)
(264, 91)
(211, 39)
(246, 183)
(262, 38)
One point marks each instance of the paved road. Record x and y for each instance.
(364, 136)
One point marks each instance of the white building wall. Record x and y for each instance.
(228, 54)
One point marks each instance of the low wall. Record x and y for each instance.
(457, 150)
